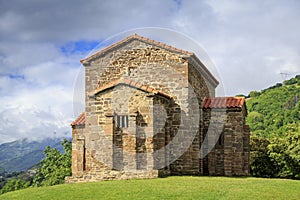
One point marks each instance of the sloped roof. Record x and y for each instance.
(223, 102)
(131, 83)
(140, 38)
(80, 120)
(185, 54)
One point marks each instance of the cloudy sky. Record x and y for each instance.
(41, 42)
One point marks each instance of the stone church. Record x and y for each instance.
(151, 111)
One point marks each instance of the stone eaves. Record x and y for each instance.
(131, 83)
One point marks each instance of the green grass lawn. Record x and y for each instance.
(183, 187)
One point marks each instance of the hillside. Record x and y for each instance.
(274, 119)
(180, 187)
(276, 110)
(23, 154)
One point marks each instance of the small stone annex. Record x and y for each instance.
(151, 111)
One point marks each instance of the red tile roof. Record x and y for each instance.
(80, 120)
(210, 102)
(130, 83)
(223, 102)
(141, 38)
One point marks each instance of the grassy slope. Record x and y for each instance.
(168, 188)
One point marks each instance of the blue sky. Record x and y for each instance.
(80, 46)
(41, 42)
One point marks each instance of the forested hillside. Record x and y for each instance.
(51, 170)
(275, 111)
(274, 116)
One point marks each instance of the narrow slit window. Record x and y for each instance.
(121, 121)
(221, 139)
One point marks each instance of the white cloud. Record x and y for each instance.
(36, 113)
(58, 21)
(239, 35)
(37, 97)
(250, 42)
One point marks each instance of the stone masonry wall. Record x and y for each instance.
(189, 162)
(142, 63)
(137, 61)
(228, 138)
(165, 136)
(78, 151)
(161, 128)
(121, 100)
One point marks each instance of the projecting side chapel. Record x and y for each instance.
(151, 111)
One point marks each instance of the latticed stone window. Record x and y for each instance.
(132, 72)
(121, 121)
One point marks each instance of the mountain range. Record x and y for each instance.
(22, 154)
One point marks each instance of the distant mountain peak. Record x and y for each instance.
(22, 154)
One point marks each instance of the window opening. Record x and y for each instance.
(121, 121)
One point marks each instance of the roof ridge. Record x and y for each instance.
(139, 37)
(132, 83)
(161, 44)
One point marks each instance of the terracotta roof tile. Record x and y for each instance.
(80, 120)
(144, 87)
(132, 83)
(211, 102)
(223, 102)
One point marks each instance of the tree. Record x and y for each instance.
(14, 184)
(285, 152)
(261, 164)
(254, 94)
(278, 156)
(55, 167)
